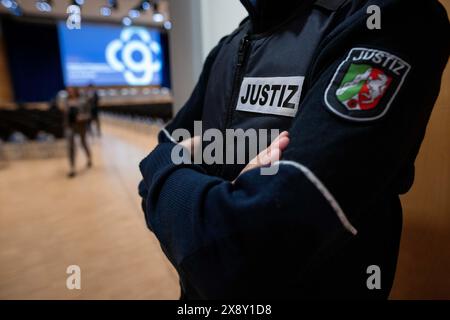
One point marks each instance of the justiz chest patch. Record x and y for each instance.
(279, 95)
(365, 84)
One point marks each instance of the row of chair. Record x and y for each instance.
(31, 123)
(162, 111)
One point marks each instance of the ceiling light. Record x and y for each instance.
(158, 17)
(105, 11)
(44, 6)
(7, 4)
(134, 13)
(12, 6)
(168, 25)
(127, 21)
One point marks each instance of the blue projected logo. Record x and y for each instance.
(107, 55)
(135, 58)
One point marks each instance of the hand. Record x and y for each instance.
(193, 145)
(270, 155)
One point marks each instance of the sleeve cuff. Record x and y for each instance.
(158, 159)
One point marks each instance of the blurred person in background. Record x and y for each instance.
(77, 119)
(92, 98)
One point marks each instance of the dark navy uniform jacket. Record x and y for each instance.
(356, 101)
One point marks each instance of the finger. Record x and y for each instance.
(280, 136)
(263, 158)
(271, 154)
(274, 152)
(196, 143)
(280, 143)
(277, 140)
(187, 144)
(272, 157)
(283, 134)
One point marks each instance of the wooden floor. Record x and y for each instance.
(48, 222)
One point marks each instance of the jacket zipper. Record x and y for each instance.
(239, 73)
(242, 59)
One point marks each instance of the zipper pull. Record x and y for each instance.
(243, 50)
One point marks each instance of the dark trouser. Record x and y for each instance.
(78, 128)
(96, 120)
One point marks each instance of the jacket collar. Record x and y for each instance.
(267, 14)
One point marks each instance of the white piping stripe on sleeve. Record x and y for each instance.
(324, 191)
(168, 135)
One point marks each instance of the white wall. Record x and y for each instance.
(185, 41)
(198, 25)
(219, 18)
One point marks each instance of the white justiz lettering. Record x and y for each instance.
(384, 59)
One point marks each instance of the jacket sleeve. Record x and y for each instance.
(219, 235)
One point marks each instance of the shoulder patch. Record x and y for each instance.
(365, 84)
